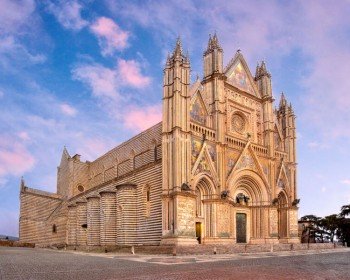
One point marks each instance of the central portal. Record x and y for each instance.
(241, 228)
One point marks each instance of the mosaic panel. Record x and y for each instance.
(230, 162)
(212, 152)
(197, 112)
(239, 78)
(196, 147)
(203, 166)
(247, 161)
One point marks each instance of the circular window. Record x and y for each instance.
(81, 188)
(238, 123)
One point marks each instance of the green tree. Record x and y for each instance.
(345, 210)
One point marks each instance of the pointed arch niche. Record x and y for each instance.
(282, 215)
(204, 190)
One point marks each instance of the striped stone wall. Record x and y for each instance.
(93, 220)
(108, 229)
(72, 225)
(81, 225)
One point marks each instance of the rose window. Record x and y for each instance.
(238, 123)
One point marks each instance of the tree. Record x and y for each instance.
(330, 226)
(345, 210)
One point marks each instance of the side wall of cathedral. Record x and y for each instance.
(115, 200)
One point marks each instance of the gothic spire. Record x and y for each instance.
(283, 101)
(178, 48)
(213, 43)
(262, 70)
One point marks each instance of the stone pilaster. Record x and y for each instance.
(81, 223)
(93, 221)
(108, 218)
(72, 225)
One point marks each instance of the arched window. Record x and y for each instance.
(54, 228)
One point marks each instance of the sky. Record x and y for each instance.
(87, 75)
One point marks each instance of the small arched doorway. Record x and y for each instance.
(282, 215)
(203, 212)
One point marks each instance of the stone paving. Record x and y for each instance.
(24, 263)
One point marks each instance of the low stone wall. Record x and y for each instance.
(206, 249)
(10, 243)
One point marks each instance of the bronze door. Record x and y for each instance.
(241, 228)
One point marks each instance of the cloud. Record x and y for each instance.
(23, 135)
(15, 159)
(68, 110)
(68, 14)
(13, 52)
(110, 36)
(345, 181)
(130, 74)
(141, 118)
(15, 14)
(103, 81)
(106, 82)
(317, 145)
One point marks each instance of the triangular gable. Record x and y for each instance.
(282, 178)
(239, 75)
(196, 86)
(196, 148)
(248, 160)
(204, 163)
(198, 109)
(277, 128)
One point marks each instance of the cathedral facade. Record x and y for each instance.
(219, 169)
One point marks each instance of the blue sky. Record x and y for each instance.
(88, 74)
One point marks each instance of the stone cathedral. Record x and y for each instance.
(220, 168)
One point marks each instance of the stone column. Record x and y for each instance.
(93, 220)
(81, 223)
(72, 225)
(108, 218)
(293, 225)
(273, 221)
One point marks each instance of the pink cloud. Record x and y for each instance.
(68, 110)
(130, 73)
(110, 36)
(102, 80)
(15, 14)
(15, 159)
(139, 119)
(345, 181)
(105, 82)
(68, 14)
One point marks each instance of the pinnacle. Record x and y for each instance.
(178, 47)
(213, 43)
(283, 101)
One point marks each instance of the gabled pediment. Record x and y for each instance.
(239, 75)
(248, 160)
(204, 163)
(282, 178)
(198, 109)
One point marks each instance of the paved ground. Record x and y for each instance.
(22, 263)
